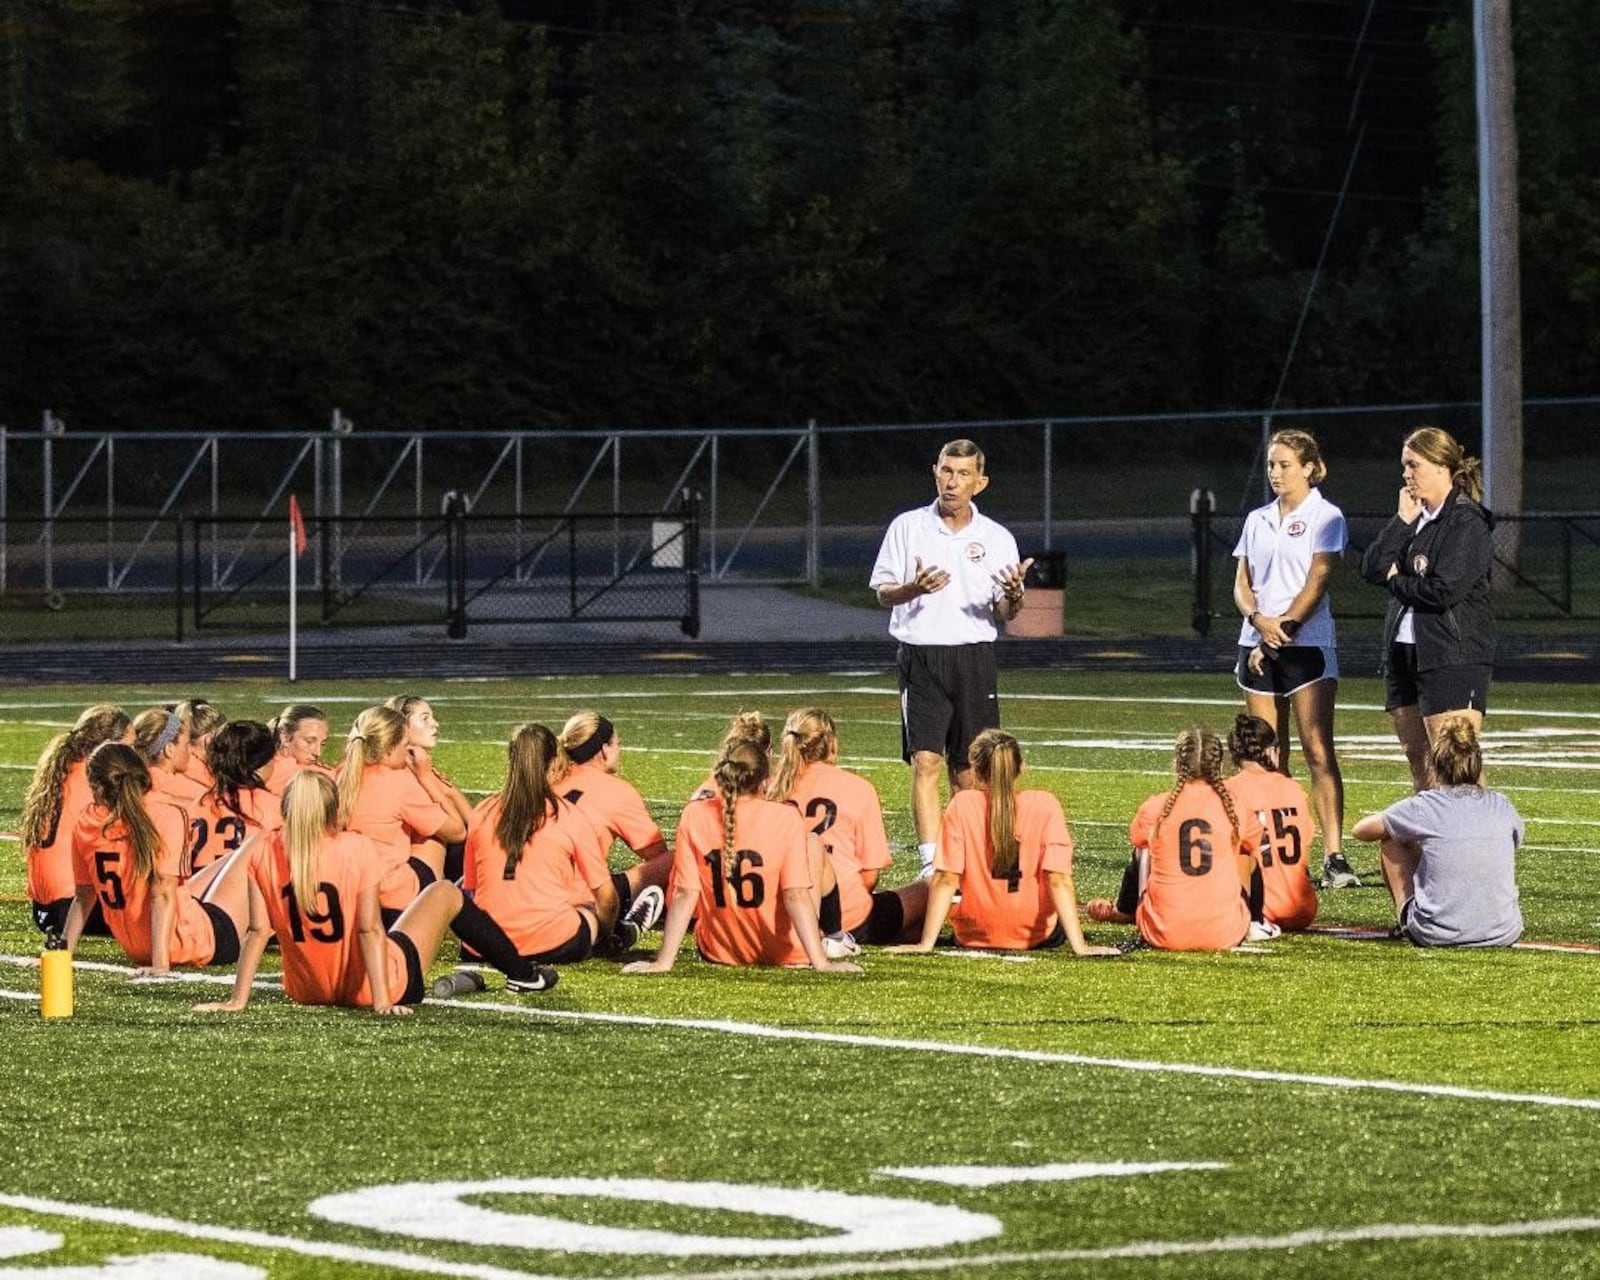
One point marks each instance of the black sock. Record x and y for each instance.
(619, 882)
(829, 917)
(1257, 895)
(478, 930)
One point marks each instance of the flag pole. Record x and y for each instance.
(294, 596)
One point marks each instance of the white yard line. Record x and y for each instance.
(761, 1031)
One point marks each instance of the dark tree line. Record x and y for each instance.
(442, 215)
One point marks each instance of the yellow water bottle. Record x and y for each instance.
(55, 978)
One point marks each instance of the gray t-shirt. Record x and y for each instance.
(1465, 892)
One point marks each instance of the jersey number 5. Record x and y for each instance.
(1283, 837)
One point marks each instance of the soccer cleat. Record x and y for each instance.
(648, 904)
(1336, 873)
(841, 946)
(542, 980)
(460, 982)
(1262, 931)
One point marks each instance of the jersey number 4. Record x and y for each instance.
(1283, 836)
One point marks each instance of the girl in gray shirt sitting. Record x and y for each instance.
(1449, 853)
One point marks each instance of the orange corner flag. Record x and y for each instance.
(298, 524)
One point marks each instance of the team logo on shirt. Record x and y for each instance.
(1295, 528)
(1419, 565)
(976, 551)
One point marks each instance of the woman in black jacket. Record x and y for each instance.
(1434, 558)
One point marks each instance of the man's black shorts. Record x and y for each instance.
(949, 694)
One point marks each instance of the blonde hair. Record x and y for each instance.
(809, 735)
(1438, 446)
(376, 732)
(1455, 756)
(310, 815)
(996, 759)
(581, 727)
(199, 717)
(119, 778)
(154, 731)
(1306, 450)
(740, 772)
(747, 726)
(41, 807)
(1198, 758)
(527, 800)
(287, 722)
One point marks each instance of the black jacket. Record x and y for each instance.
(1443, 578)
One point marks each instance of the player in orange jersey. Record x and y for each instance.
(238, 803)
(843, 810)
(422, 738)
(315, 888)
(57, 794)
(537, 865)
(743, 869)
(1194, 855)
(747, 726)
(400, 803)
(586, 773)
(302, 732)
(1009, 853)
(127, 849)
(1288, 899)
(202, 719)
(159, 736)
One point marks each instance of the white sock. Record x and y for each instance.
(926, 851)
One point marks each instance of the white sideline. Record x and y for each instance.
(760, 1031)
(389, 1258)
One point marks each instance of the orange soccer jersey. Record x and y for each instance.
(1013, 912)
(322, 961)
(215, 831)
(1194, 899)
(562, 865)
(50, 864)
(180, 788)
(284, 768)
(612, 805)
(743, 919)
(394, 811)
(843, 810)
(103, 859)
(1284, 811)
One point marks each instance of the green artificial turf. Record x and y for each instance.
(242, 1121)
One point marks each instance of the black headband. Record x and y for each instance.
(593, 745)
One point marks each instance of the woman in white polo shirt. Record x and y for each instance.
(1288, 660)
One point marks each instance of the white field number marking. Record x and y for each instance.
(865, 1224)
(23, 1242)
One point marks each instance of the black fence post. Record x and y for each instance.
(455, 511)
(689, 509)
(177, 574)
(1201, 504)
(324, 567)
(194, 524)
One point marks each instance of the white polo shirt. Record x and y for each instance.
(963, 612)
(1279, 554)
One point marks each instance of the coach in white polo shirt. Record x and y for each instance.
(1288, 661)
(950, 575)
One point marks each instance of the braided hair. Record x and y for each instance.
(1198, 758)
(1250, 741)
(740, 772)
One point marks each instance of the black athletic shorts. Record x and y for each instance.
(1285, 671)
(949, 694)
(415, 987)
(425, 877)
(226, 950)
(1461, 688)
(885, 922)
(580, 946)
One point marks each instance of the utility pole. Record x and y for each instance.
(1499, 271)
